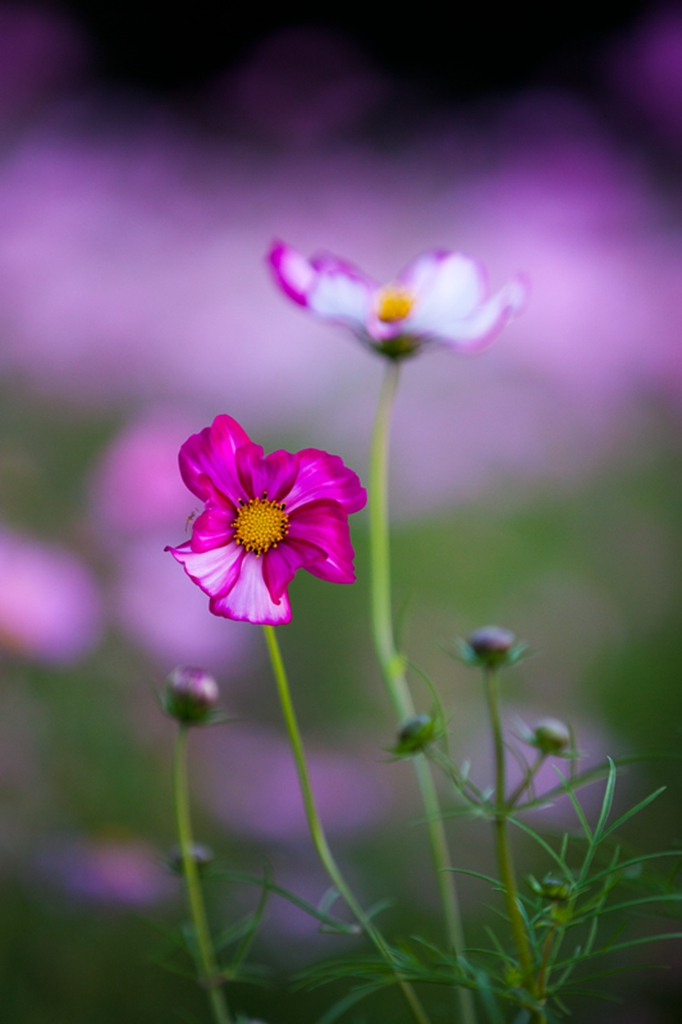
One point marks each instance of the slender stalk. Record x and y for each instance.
(525, 783)
(315, 823)
(543, 973)
(393, 667)
(504, 856)
(207, 961)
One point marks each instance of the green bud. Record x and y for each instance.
(513, 977)
(557, 890)
(551, 736)
(191, 695)
(415, 735)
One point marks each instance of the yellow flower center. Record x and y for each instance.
(260, 525)
(394, 303)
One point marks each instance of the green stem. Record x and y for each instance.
(504, 856)
(543, 973)
(393, 667)
(209, 976)
(315, 823)
(526, 782)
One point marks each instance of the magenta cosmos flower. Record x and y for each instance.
(265, 517)
(440, 297)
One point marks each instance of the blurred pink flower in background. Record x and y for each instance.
(50, 606)
(111, 872)
(249, 781)
(136, 489)
(158, 609)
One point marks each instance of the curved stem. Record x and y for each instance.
(526, 782)
(504, 856)
(393, 667)
(315, 823)
(207, 961)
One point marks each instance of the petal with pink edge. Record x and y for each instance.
(293, 272)
(341, 293)
(211, 453)
(215, 571)
(249, 599)
(325, 524)
(321, 475)
(483, 326)
(281, 564)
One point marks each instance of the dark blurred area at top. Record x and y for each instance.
(463, 50)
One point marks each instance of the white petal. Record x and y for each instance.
(487, 321)
(341, 297)
(447, 287)
(213, 570)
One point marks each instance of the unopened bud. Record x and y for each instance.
(415, 735)
(557, 890)
(551, 736)
(201, 855)
(492, 645)
(191, 695)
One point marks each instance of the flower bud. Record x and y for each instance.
(492, 645)
(551, 736)
(201, 855)
(191, 695)
(557, 890)
(415, 735)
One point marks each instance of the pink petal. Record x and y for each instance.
(213, 528)
(281, 564)
(211, 453)
(341, 293)
(293, 273)
(273, 474)
(325, 524)
(321, 475)
(215, 571)
(249, 599)
(248, 462)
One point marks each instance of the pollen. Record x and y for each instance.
(260, 525)
(394, 303)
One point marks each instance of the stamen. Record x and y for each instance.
(260, 525)
(394, 303)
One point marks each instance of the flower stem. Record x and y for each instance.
(393, 668)
(315, 824)
(527, 781)
(208, 967)
(504, 856)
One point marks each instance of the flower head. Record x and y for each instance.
(440, 297)
(191, 695)
(549, 736)
(265, 517)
